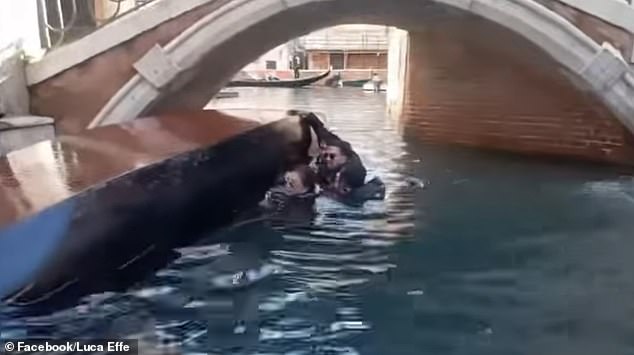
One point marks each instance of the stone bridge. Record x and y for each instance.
(535, 76)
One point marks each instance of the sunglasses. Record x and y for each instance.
(329, 156)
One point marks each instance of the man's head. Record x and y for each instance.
(351, 176)
(302, 179)
(333, 158)
(335, 155)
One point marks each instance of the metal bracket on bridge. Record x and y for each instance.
(605, 69)
(156, 67)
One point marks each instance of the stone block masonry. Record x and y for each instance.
(14, 97)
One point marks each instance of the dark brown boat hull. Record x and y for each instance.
(114, 233)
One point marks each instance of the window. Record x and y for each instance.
(336, 61)
(271, 65)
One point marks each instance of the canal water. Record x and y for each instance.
(471, 253)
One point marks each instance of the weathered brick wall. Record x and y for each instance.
(366, 61)
(358, 74)
(318, 60)
(476, 84)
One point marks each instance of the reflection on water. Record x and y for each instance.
(496, 255)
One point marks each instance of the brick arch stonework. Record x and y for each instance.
(540, 57)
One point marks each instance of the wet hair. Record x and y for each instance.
(344, 147)
(308, 176)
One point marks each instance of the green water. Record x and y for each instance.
(496, 255)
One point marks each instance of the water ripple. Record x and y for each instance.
(469, 254)
(278, 282)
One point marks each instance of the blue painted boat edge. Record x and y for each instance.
(25, 247)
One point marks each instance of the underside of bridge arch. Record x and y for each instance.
(472, 83)
(469, 80)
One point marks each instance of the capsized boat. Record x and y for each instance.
(132, 196)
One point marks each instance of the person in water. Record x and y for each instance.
(376, 82)
(292, 198)
(339, 167)
(295, 191)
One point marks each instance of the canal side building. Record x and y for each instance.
(353, 51)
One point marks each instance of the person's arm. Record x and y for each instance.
(323, 134)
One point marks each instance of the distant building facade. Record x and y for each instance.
(354, 51)
(277, 58)
(347, 47)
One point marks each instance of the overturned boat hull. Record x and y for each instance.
(113, 231)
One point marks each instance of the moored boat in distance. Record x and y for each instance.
(354, 83)
(369, 86)
(293, 83)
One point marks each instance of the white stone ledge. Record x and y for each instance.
(186, 51)
(111, 35)
(129, 26)
(156, 67)
(9, 123)
(23, 131)
(616, 12)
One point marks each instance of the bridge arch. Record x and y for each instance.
(236, 33)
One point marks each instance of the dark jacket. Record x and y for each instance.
(353, 172)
